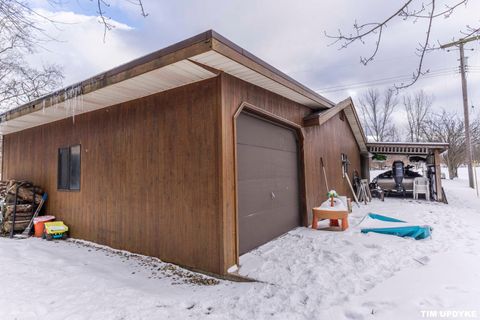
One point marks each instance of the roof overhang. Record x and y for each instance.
(320, 117)
(198, 58)
(407, 148)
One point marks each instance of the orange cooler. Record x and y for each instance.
(39, 224)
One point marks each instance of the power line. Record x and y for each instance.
(388, 80)
(378, 82)
(450, 69)
(393, 79)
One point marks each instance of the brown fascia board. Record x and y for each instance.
(229, 49)
(201, 43)
(358, 122)
(182, 50)
(320, 117)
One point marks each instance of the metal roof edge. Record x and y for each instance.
(302, 89)
(111, 76)
(396, 143)
(176, 52)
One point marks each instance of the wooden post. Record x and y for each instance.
(365, 166)
(438, 176)
(468, 140)
(468, 143)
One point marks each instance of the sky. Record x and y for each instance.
(286, 34)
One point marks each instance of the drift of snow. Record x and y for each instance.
(305, 274)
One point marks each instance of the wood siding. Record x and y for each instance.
(158, 173)
(149, 173)
(328, 141)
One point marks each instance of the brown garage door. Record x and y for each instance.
(267, 166)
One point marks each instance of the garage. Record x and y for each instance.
(268, 181)
(225, 151)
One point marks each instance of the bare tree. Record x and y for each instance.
(20, 83)
(20, 35)
(102, 6)
(450, 128)
(475, 134)
(20, 12)
(376, 110)
(417, 107)
(408, 10)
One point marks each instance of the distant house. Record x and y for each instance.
(195, 154)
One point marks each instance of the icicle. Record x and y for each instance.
(65, 101)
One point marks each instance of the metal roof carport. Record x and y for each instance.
(415, 149)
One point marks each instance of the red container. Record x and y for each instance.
(39, 224)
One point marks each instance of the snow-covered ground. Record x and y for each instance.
(305, 274)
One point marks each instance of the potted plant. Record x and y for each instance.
(332, 194)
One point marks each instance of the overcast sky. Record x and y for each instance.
(287, 34)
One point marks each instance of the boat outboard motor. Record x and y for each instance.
(398, 175)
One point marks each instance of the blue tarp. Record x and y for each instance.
(416, 232)
(383, 218)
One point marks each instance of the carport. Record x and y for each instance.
(430, 150)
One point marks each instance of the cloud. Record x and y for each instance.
(288, 35)
(79, 47)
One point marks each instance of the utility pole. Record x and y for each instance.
(468, 140)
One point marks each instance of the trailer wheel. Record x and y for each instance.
(49, 237)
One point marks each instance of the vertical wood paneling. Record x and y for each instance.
(158, 173)
(233, 92)
(328, 141)
(148, 174)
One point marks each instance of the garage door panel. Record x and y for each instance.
(258, 193)
(264, 163)
(284, 164)
(258, 134)
(263, 194)
(253, 158)
(285, 192)
(267, 173)
(263, 227)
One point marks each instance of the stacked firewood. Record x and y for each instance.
(3, 189)
(19, 200)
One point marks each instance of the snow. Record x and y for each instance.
(338, 205)
(305, 274)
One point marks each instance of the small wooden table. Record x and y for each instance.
(338, 212)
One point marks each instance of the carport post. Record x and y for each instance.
(438, 176)
(365, 166)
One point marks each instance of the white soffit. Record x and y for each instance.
(218, 61)
(158, 80)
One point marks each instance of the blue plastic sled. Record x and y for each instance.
(416, 232)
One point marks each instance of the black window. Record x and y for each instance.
(69, 168)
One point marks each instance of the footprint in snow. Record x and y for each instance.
(371, 246)
(422, 260)
(354, 315)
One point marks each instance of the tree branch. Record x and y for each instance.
(405, 12)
